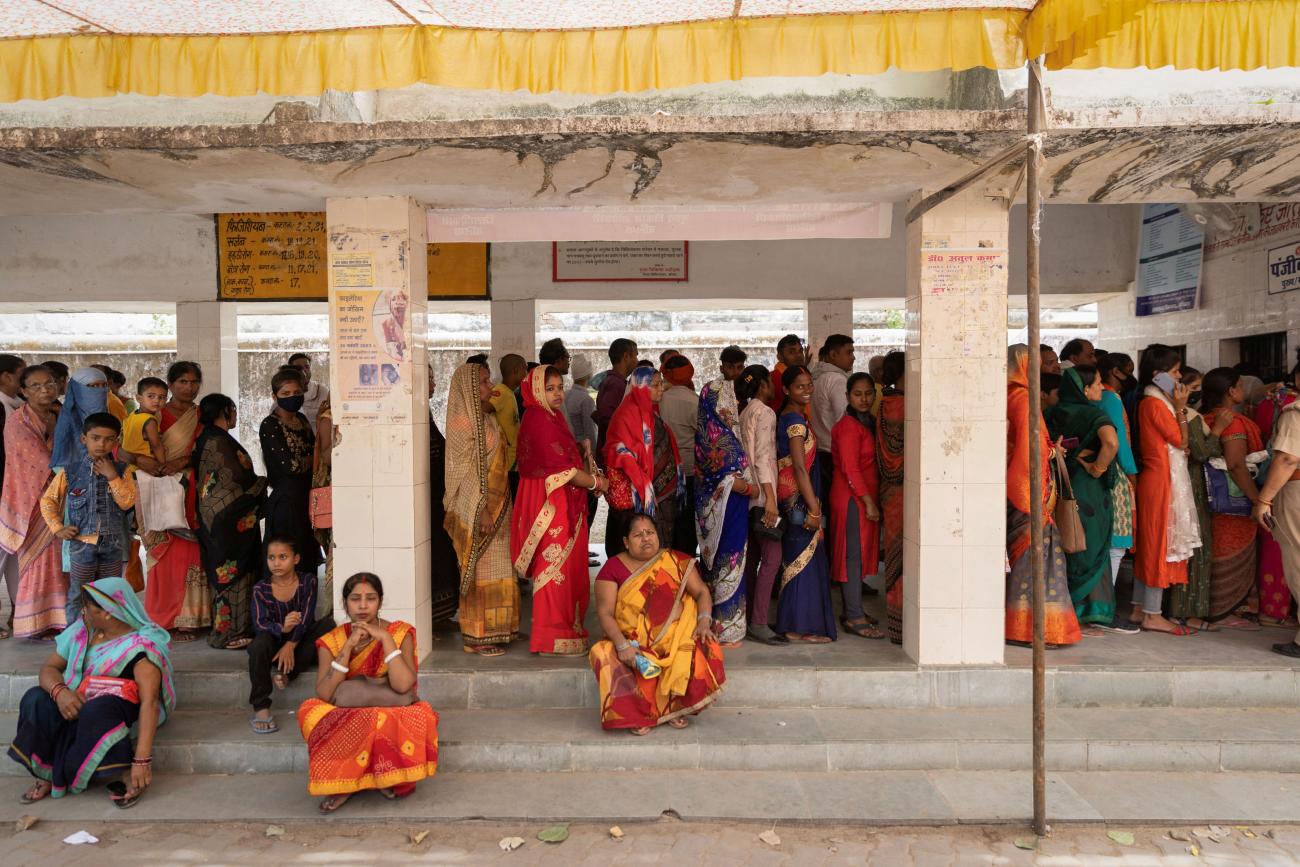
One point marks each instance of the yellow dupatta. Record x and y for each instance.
(664, 629)
(476, 481)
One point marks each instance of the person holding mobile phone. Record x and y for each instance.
(1167, 531)
(1277, 509)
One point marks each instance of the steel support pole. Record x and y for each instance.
(1033, 209)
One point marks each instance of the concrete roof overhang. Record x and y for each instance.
(1110, 155)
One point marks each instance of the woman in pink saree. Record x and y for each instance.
(28, 441)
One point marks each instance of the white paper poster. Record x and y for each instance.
(1170, 248)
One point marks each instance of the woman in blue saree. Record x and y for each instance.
(803, 607)
(110, 674)
(722, 507)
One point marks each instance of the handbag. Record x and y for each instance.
(758, 528)
(1069, 526)
(97, 685)
(160, 503)
(320, 506)
(1225, 497)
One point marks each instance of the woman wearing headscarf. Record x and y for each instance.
(87, 394)
(641, 460)
(110, 674)
(446, 572)
(230, 498)
(722, 490)
(177, 595)
(478, 514)
(1061, 626)
(889, 457)
(42, 590)
(1091, 446)
(548, 541)
(853, 501)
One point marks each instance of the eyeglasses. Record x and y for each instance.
(42, 386)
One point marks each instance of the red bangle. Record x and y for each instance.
(57, 690)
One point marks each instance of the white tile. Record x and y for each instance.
(939, 636)
(353, 458)
(394, 454)
(396, 567)
(983, 636)
(939, 577)
(941, 514)
(984, 514)
(985, 460)
(984, 582)
(353, 514)
(394, 516)
(348, 561)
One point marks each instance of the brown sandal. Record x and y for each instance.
(333, 802)
(642, 731)
(680, 722)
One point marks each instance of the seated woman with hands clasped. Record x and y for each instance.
(109, 675)
(284, 616)
(659, 661)
(366, 728)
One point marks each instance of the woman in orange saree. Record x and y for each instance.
(177, 596)
(659, 661)
(889, 443)
(548, 542)
(367, 728)
(1061, 626)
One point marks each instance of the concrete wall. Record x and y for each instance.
(1234, 302)
(161, 258)
(1088, 249)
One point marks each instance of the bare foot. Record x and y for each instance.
(333, 802)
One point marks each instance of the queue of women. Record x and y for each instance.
(1165, 463)
(779, 515)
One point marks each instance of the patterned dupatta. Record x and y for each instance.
(477, 483)
(81, 400)
(369, 661)
(787, 490)
(109, 658)
(719, 457)
(27, 472)
(629, 444)
(546, 450)
(1018, 452)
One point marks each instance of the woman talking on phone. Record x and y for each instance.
(1167, 529)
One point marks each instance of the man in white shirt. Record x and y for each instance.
(314, 394)
(830, 399)
(679, 407)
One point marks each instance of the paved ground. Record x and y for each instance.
(666, 841)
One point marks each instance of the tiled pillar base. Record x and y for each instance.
(207, 333)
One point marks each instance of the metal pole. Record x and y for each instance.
(1033, 208)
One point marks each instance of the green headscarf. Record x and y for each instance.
(1076, 416)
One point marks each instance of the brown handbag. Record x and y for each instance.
(1069, 527)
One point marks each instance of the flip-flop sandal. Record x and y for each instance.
(27, 798)
(121, 796)
(642, 731)
(238, 644)
(862, 630)
(680, 722)
(815, 639)
(1177, 630)
(266, 726)
(332, 803)
(1241, 624)
(485, 649)
(180, 636)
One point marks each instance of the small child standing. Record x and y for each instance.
(86, 505)
(284, 617)
(141, 434)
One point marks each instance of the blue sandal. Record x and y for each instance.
(266, 726)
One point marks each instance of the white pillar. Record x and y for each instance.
(207, 332)
(381, 467)
(514, 329)
(827, 317)
(955, 434)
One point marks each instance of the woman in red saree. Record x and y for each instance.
(177, 596)
(1061, 626)
(641, 459)
(28, 439)
(1274, 594)
(548, 542)
(367, 728)
(889, 443)
(659, 662)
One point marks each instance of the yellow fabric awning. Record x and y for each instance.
(92, 48)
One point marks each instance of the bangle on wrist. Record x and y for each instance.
(146, 761)
(620, 649)
(56, 690)
(341, 669)
(705, 617)
(390, 657)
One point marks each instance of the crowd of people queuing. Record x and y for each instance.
(129, 523)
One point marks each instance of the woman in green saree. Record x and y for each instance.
(1091, 444)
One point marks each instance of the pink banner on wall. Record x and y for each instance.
(664, 223)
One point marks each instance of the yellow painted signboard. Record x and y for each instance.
(281, 257)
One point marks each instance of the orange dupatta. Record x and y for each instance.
(1018, 447)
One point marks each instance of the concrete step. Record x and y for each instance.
(866, 798)
(572, 685)
(786, 739)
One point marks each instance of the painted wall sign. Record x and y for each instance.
(1170, 249)
(280, 256)
(1284, 268)
(629, 262)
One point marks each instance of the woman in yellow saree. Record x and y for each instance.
(659, 662)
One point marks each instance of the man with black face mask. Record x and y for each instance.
(287, 448)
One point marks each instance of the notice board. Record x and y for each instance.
(280, 256)
(1170, 248)
(621, 261)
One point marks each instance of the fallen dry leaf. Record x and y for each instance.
(275, 830)
(510, 844)
(1026, 843)
(1246, 832)
(24, 822)
(616, 832)
(770, 838)
(416, 837)
(1180, 836)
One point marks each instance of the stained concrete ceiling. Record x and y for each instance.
(1104, 156)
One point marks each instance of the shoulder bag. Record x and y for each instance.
(1069, 527)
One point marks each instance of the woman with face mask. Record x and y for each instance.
(288, 446)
